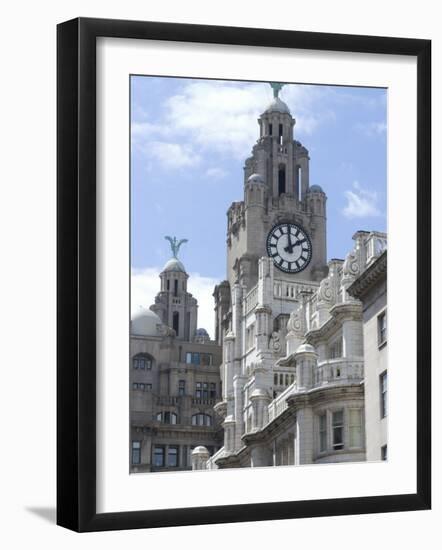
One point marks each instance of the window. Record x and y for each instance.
(383, 390)
(136, 452)
(270, 129)
(201, 419)
(212, 390)
(299, 179)
(355, 427)
(323, 432)
(202, 390)
(176, 322)
(281, 180)
(168, 284)
(335, 349)
(338, 429)
(250, 337)
(141, 386)
(142, 362)
(206, 359)
(175, 287)
(182, 387)
(275, 379)
(167, 417)
(384, 452)
(158, 457)
(197, 358)
(170, 417)
(172, 456)
(382, 328)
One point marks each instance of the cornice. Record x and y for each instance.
(370, 277)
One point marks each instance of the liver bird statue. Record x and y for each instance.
(276, 87)
(175, 244)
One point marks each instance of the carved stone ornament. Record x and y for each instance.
(275, 344)
(351, 267)
(326, 292)
(296, 322)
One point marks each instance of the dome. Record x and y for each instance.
(174, 265)
(316, 189)
(200, 450)
(305, 348)
(259, 392)
(277, 106)
(201, 336)
(255, 178)
(145, 322)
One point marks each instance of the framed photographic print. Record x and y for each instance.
(231, 343)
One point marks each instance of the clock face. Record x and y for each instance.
(290, 247)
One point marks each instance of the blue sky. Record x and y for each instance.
(189, 141)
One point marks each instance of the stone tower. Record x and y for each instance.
(176, 307)
(277, 191)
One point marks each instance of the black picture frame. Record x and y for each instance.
(76, 273)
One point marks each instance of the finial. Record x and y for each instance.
(175, 245)
(276, 87)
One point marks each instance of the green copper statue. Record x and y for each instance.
(175, 245)
(276, 87)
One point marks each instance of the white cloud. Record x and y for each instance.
(221, 117)
(361, 203)
(173, 155)
(215, 173)
(373, 129)
(145, 284)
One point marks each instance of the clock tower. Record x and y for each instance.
(276, 258)
(281, 216)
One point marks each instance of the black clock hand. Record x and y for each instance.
(290, 246)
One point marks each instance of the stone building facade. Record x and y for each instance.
(371, 288)
(174, 380)
(292, 335)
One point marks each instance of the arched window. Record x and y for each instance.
(176, 322)
(201, 419)
(281, 180)
(142, 361)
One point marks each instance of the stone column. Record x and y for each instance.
(352, 338)
(306, 360)
(238, 384)
(260, 402)
(261, 455)
(304, 437)
(229, 434)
